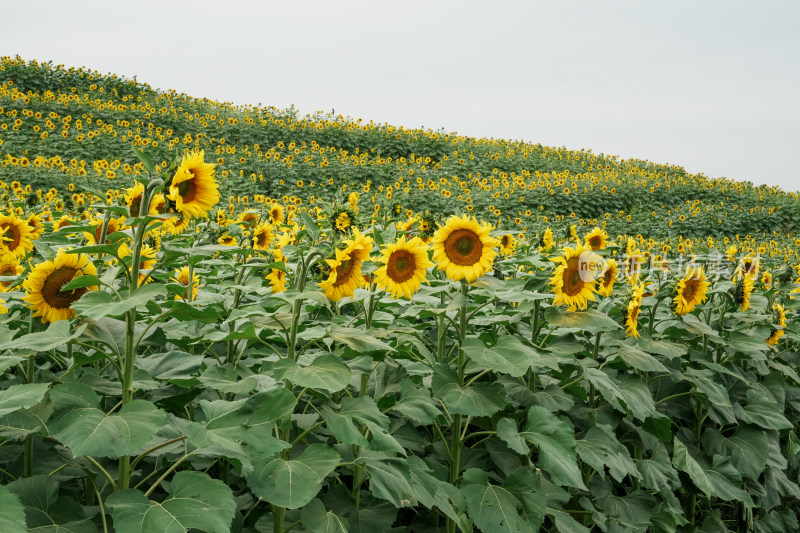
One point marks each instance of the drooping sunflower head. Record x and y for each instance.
(463, 248)
(36, 222)
(277, 280)
(45, 280)
(742, 291)
(228, 240)
(133, 199)
(631, 312)
(606, 282)
(597, 239)
(546, 242)
(194, 189)
(780, 323)
(16, 236)
(690, 290)
(571, 284)
(404, 266)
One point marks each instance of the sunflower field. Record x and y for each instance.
(216, 318)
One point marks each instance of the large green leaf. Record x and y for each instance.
(317, 519)
(12, 513)
(416, 403)
(590, 320)
(263, 408)
(639, 360)
(293, 483)
(55, 335)
(357, 339)
(762, 411)
(389, 478)
(494, 508)
(607, 388)
(195, 502)
(555, 441)
(508, 356)
(98, 304)
(480, 399)
(600, 448)
(90, 431)
(46, 510)
(21, 396)
(683, 461)
(21, 423)
(747, 449)
(326, 372)
(7, 361)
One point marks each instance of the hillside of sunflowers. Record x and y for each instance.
(227, 318)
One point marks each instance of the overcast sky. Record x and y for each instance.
(708, 85)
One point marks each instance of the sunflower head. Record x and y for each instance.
(631, 312)
(780, 323)
(463, 248)
(690, 290)
(606, 282)
(9, 267)
(263, 236)
(597, 239)
(345, 269)
(193, 188)
(572, 282)
(276, 214)
(45, 280)
(404, 266)
(182, 277)
(546, 242)
(133, 199)
(16, 236)
(508, 244)
(742, 292)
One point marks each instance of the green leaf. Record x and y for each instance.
(762, 411)
(21, 396)
(416, 403)
(54, 336)
(508, 432)
(600, 448)
(639, 398)
(195, 502)
(357, 339)
(747, 449)
(294, 483)
(555, 440)
(86, 280)
(326, 372)
(12, 513)
(263, 408)
(389, 478)
(343, 428)
(640, 360)
(45, 510)
(683, 461)
(508, 356)
(591, 320)
(317, 520)
(479, 399)
(493, 507)
(8, 361)
(607, 388)
(665, 348)
(98, 304)
(705, 382)
(90, 431)
(21, 423)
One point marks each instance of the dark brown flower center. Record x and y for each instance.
(463, 247)
(401, 266)
(572, 277)
(11, 236)
(188, 189)
(344, 271)
(51, 290)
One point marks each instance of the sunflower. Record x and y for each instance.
(780, 322)
(63, 222)
(16, 236)
(9, 266)
(182, 277)
(742, 291)
(147, 260)
(193, 188)
(631, 312)
(690, 290)
(343, 219)
(175, 225)
(569, 285)
(463, 248)
(597, 239)
(277, 280)
(45, 280)
(606, 285)
(748, 265)
(263, 236)
(405, 265)
(248, 218)
(133, 199)
(228, 240)
(36, 222)
(546, 243)
(508, 244)
(276, 214)
(114, 225)
(345, 276)
(3, 308)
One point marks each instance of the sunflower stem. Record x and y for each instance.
(457, 442)
(29, 375)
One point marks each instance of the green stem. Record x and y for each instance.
(535, 324)
(29, 375)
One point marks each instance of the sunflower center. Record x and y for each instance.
(188, 189)
(10, 237)
(595, 242)
(51, 290)
(690, 289)
(261, 239)
(573, 284)
(135, 206)
(634, 313)
(401, 266)
(344, 271)
(463, 247)
(608, 277)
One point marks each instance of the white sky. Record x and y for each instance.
(711, 86)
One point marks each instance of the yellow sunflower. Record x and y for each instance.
(114, 225)
(228, 240)
(147, 260)
(45, 280)
(597, 239)
(276, 214)
(3, 308)
(182, 277)
(263, 236)
(547, 242)
(9, 266)
(748, 265)
(133, 199)
(36, 222)
(632, 311)
(193, 187)
(606, 285)
(343, 221)
(277, 280)
(508, 244)
(345, 276)
(691, 290)
(16, 236)
(405, 265)
(248, 218)
(570, 286)
(63, 222)
(463, 248)
(742, 291)
(777, 333)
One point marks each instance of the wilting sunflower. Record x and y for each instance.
(690, 290)
(16, 236)
(569, 285)
(276, 214)
(742, 291)
(597, 239)
(345, 276)
(631, 312)
(45, 280)
(606, 285)
(263, 236)
(133, 199)
(182, 277)
(780, 322)
(508, 244)
(463, 248)
(193, 187)
(9, 266)
(405, 265)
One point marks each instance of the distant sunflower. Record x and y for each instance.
(606, 285)
(405, 265)
(263, 236)
(631, 312)
(463, 248)
(228, 240)
(248, 218)
(780, 323)
(193, 187)
(345, 275)
(569, 286)
(182, 277)
(546, 242)
(16, 236)
(276, 214)
(343, 219)
(597, 239)
(9, 267)
(691, 290)
(748, 265)
(45, 280)
(63, 222)
(508, 244)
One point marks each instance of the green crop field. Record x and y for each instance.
(222, 318)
